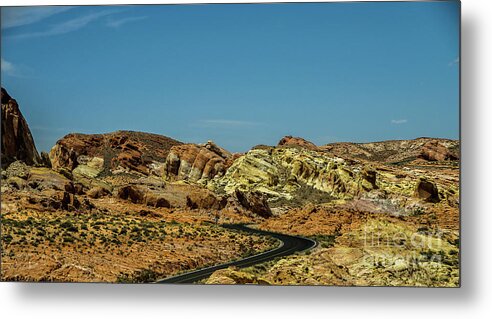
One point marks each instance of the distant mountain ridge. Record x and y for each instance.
(391, 151)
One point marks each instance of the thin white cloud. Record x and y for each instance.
(20, 16)
(14, 70)
(455, 61)
(118, 23)
(401, 121)
(224, 123)
(49, 129)
(7, 67)
(66, 26)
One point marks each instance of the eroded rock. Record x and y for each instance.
(255, 202)
(17, 141)
(196, 162)
(121, 151)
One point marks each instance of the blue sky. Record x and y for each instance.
(240, 75)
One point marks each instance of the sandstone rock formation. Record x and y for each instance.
(281, 172)
(296, 141)
(121, 151)
(196, 162)
(17, 141)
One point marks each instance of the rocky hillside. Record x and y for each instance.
(289, 173)
(17, 141)
(426, 149)
(121, 151)
(295, 176)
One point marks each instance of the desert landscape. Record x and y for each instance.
(135, 207)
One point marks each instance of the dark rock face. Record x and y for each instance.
(255, 202)
(17, 141)
(427, 191)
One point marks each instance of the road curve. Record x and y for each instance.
(290, 245)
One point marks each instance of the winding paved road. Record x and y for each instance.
(290, 245)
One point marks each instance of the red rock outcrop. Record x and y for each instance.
(17, 141)
(296, 141)
(437, 151)
(121, 150)
(194, 162)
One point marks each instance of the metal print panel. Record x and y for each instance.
(268, 144)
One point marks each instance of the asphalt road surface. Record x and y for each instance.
(290, 245)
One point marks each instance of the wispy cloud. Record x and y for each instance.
(112, 23)
(455, 61)
(224, 123)
(66, 26)
(51, 129)
(401, 121)
(20, 16)
(14, 70)
(7, 67)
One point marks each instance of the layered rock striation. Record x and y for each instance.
(197, 163)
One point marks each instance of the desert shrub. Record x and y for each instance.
(69, 226)
(68, 239)
(139, 276)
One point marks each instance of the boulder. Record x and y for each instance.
(132, 193)
(97, 192)
(427, 191)
(205, 200)
(141, 195)
(155, 200)
(42, 178)
(17, 141)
